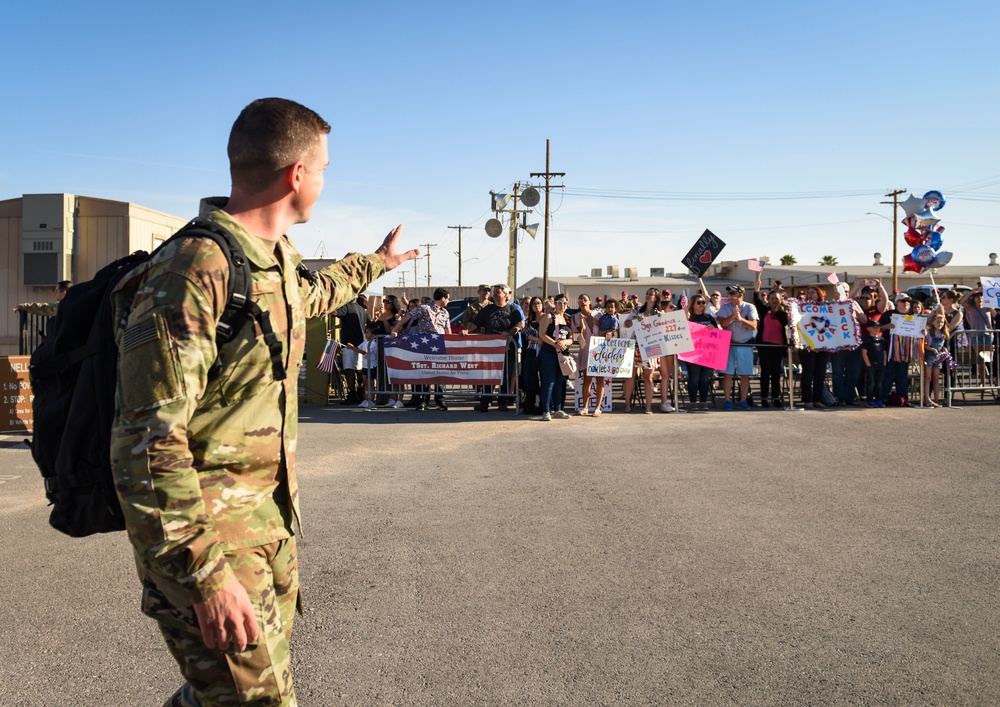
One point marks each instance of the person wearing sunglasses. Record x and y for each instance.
(699, 377)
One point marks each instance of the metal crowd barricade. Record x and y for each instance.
(381, 390)
(30, 332)
(677, 394)
(975, 352)
(757, 370)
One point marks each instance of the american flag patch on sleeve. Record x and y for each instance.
(140, 333)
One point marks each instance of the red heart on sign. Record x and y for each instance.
(706, 257)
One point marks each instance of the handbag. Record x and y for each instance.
(567, 364)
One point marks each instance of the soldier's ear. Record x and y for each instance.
(294, 176)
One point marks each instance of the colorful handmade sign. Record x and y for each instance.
(711, 346)
(824, 326)
(591, 394)
(703, 253)
(913, 326)
(612, 358)
(662, 334)
(991, 291)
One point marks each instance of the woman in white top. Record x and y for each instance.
(649, 308)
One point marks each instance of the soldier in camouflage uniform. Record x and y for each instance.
(205, 466)
(46, 309)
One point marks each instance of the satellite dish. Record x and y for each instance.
(530, 197)
(494, 228)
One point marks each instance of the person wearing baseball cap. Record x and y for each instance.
(740, 318)
(896, 371)
(473, 309)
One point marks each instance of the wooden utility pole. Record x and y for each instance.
(895, 237)
(428, 246)
(460, 228)
(515, 214)
(512, 250)
(547, 175)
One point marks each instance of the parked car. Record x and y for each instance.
(925, 293)
(456, 310)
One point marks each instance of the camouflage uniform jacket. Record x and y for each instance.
(204, 467)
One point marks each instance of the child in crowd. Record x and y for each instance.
(934, 343)
(368, 349)
(607, 327)
(873, 354)
(900, 350)
(609, 320)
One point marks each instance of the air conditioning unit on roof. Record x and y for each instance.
(47, 238)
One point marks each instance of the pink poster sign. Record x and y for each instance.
(711, 346)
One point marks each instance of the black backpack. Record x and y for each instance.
(73, 377)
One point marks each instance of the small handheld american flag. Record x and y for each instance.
(328, 359)
(755, 265)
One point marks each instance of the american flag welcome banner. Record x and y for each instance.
(446, 359)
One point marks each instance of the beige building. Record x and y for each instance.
(46, 238)
(612, 280)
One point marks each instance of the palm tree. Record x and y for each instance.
(788, 260)
(828, 260)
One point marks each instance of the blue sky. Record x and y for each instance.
(435, 104)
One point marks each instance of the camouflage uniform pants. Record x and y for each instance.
(258, 676)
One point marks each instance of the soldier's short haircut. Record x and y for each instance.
(269, 135)
(63, 285)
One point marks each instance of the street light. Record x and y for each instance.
(460, 261)
(895, 255)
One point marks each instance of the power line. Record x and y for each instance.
(428, 246)
(716, 196)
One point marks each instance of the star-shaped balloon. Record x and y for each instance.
(912, 205)
(927, 218)
(910, 265)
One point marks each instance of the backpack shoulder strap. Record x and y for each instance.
(239, 302)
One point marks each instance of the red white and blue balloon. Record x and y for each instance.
(923, 233)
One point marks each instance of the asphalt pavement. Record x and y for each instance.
(844, 556)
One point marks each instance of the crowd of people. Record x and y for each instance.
(553, 346)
